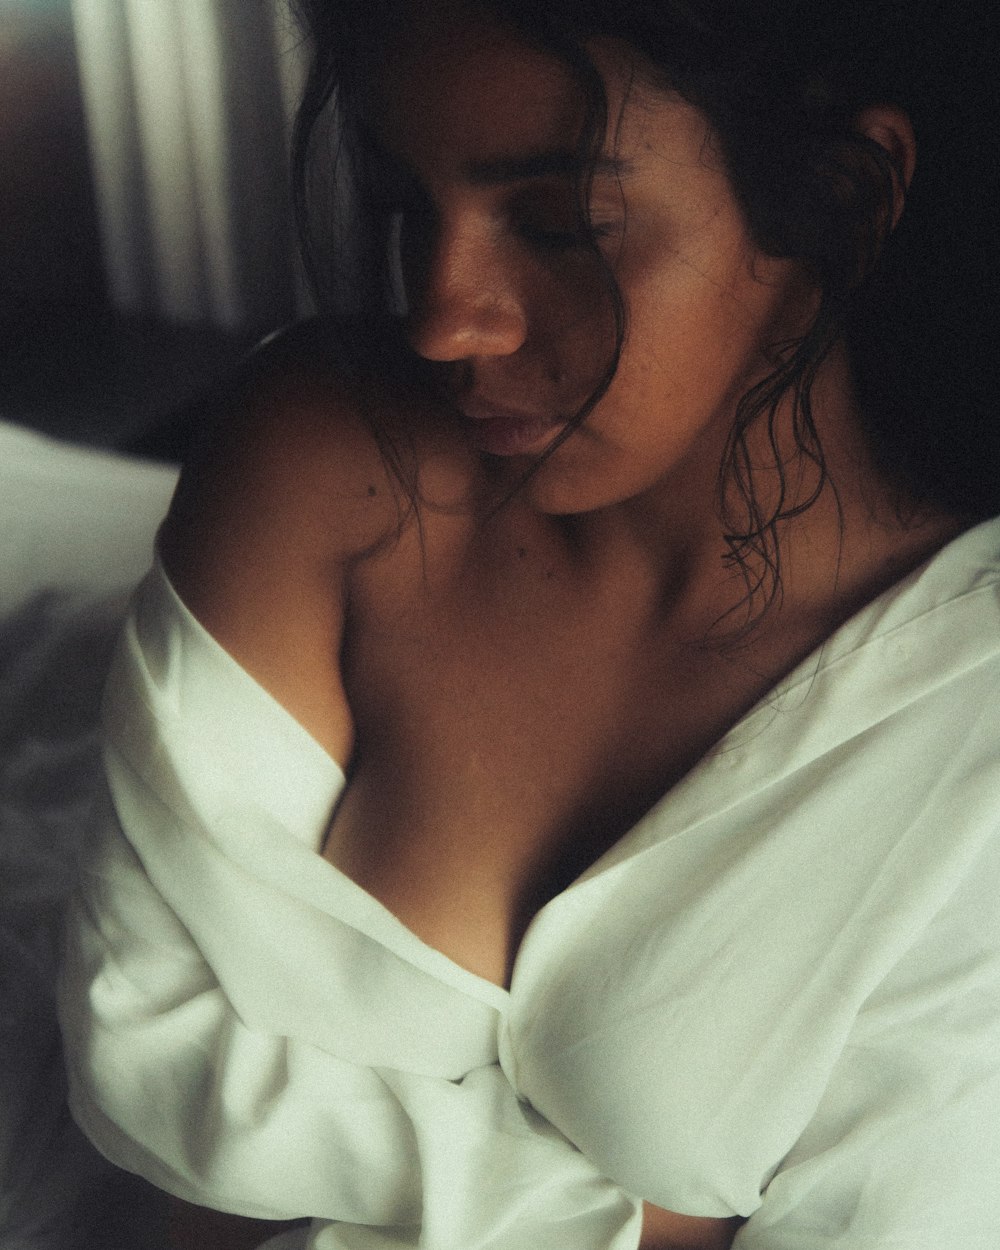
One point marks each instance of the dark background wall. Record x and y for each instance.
(69, 364)
(49, 247)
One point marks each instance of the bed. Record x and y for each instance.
(76, 533)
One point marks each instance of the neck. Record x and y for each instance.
(838, 542)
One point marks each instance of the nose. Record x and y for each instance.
(467, 304)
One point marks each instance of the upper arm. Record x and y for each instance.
(287, 489)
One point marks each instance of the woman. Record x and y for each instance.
(627, 562)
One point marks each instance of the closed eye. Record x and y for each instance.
(548, 218)
(559, 238)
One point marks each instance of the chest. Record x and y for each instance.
(508, 732)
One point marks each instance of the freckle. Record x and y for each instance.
(521, 552)
(549, 574)
(372, 492)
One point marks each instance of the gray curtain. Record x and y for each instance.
(189, 105)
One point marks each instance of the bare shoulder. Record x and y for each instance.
(295, 449)
(303, 469)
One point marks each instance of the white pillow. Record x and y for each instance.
(74, 518)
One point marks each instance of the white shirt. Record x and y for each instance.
(777, 996)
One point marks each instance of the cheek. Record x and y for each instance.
(575, 326)
(697, 330)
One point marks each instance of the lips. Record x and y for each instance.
(502, 431)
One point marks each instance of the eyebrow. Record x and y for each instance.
(496, 171)
(554, 164)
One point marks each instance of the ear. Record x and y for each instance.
(891, 129)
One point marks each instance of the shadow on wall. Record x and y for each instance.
(49, 238)
(145, 228)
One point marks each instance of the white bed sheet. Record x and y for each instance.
(76, 533)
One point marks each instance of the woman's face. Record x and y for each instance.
(481, 131)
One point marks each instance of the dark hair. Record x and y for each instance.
(782, 83)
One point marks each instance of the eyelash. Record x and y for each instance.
(546, 238)
(566, 240)
(404, 207)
